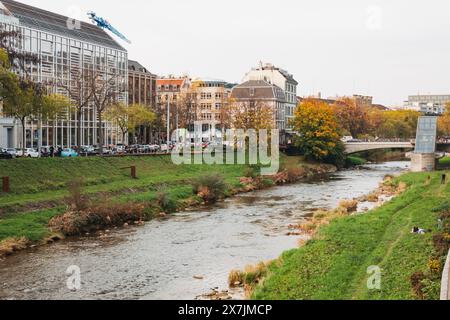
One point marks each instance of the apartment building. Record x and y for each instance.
(282, 79)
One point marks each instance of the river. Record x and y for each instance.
(187, 254)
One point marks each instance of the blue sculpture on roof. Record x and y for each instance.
(104, 24)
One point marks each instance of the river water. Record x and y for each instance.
(187, 254)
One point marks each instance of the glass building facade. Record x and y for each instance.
(66, 48)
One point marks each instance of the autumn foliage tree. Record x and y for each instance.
(352, 117)
(129, 118)
(389, 124)
(319, 133)
(444, 123)
(252, 115)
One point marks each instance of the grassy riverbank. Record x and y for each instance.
(334, 264)
(445, 161)
(39, 189)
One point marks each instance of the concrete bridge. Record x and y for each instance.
(354, 147)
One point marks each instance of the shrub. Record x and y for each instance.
(98, 217)
(250, 172)
(349, 205)
(10, 245)
(210, 187)
(76, 199)
(295, 173)
(165, 202)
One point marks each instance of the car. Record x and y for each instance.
(29, 153)
(12, 152)
(347, 139)
(45, 151)
(69, 153)
(5, 155)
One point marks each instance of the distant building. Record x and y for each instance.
(141, 84)
(263, 92)
(282, 79)
(142, 90)
(211, 99)
(169, 90)
(429, 104)
(8, 133)
(360, 100)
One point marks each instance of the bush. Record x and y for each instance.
(97, 217)
(76, 199)
(165, 202)
(210, 187)
(294, 174)
(349, 205)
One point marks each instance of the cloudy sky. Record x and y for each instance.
(385, 48)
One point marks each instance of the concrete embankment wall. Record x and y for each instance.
(445, 285)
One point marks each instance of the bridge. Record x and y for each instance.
(354, 147)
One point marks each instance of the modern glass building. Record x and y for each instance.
(65, 48)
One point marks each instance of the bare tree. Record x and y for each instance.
(80, 93)
(106, 92)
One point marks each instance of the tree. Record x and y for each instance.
(252, 115)
(106, 90)
(24, 99)
(398, 124)
(444, 123)
(79, 93)
(352, 117)
(129, 118)
(318, 132)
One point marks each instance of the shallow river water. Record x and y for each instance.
(187, 254)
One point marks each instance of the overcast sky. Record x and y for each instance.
(385, 48)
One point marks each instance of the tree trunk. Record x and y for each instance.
(23, 136)
(79, 129)
(40, 136)
(101, 135)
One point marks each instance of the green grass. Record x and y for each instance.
(334, 266)
(355, 161)
(445, 161)
(31, 225)
(43, 180)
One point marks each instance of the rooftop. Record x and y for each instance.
(136, 66)
(44, 20)
(258, 89)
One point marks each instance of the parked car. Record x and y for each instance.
(45, 151)
(69, 153)
(5, 154)
(12, 152)
(29, 153)
(154, 147)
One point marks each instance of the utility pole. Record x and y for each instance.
(168, 122)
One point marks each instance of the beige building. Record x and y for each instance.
(211, 99)
(282, 79)
(264, 93)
